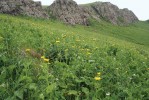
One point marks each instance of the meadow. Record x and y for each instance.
(48, 60)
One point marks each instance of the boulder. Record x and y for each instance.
(23, 7)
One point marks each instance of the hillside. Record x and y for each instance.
(70, 12)
(46, 59)
(109, 12)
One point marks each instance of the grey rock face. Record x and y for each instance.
(109, 12)
(22, 7)
(128, 16)
(68, 11)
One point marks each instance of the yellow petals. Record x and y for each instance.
(99, 73)
(57, 41)
(27, 50)
(97, 78)
(42, 57)
(46, 60)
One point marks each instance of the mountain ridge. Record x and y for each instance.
(70, 12)
(109, 12)
(97, 10)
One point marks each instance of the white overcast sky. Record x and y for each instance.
(139, 7)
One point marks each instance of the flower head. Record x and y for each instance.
(46, 60)
(57, 41)
(27, 50)
(97, 78)
(42, 57)
(99, 73)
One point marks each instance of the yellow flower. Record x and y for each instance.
(42, 57)
(97, 78)
(46, 60)
(99, 73)
(57, 41)
(27, 50)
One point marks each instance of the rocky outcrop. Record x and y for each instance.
(109, 12)
(22, 7)
(68, 11)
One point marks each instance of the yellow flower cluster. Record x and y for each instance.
(44, 59)
(97, 77)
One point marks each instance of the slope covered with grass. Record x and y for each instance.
(45, 59)
(137, 33)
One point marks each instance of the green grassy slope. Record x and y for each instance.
(137, 32)
(45, 59)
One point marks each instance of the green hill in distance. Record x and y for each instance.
(44, 59)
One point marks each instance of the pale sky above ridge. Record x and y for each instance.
(139, 7)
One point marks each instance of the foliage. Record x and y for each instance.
(42, 60)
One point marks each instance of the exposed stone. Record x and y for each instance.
(109, 12)
(127, 16)
(68, 11)
(23, 7)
